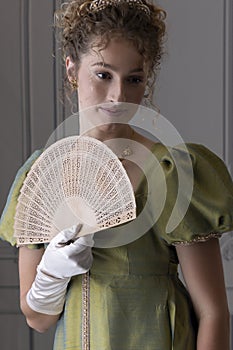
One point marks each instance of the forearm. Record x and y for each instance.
(28, 262)
(214, 333)
(202, 269)
(45, 275)
(38, 321)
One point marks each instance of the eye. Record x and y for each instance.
(135, 79)
(104, 75)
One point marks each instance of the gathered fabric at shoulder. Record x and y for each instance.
(199, 198)
(8, 214)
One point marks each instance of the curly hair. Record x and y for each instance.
(83, 29)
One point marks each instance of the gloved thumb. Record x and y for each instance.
(67, 236)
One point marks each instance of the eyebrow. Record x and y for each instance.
(109, 66)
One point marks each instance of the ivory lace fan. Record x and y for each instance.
(78, 179)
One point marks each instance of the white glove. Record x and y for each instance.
(65, 256)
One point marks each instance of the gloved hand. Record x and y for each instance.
(65, 256)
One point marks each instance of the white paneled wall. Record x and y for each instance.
(194, 92)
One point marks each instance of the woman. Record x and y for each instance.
(135, 299)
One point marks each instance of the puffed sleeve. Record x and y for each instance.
(7, 218)
(199, 199)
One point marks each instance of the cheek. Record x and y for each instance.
(86, 95)
(90, 92)
(136, 95)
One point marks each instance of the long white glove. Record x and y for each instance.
(65, 256)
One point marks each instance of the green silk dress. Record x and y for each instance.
(132, 297)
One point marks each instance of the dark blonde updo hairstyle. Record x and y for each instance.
(87, 24)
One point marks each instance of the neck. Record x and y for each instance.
(110, 132)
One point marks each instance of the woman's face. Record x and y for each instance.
(115, 74)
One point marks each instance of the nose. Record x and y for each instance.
(117, 92)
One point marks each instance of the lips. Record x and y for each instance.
(113, 112)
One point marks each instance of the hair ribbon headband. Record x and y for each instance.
(98, 5)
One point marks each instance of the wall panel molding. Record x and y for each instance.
(25, 78)
(228, 84)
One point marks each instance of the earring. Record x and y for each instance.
(74, 84)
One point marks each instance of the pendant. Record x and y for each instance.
(126, 152)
